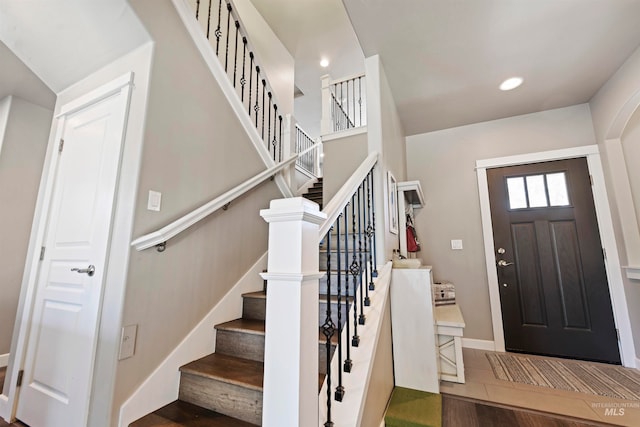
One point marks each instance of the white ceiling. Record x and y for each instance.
(64, 41)
(444, 59)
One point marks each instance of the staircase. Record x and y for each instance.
(315, 193)
(225, 387)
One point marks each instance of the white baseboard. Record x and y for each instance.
(637, 363)
(161, 387)
(478, 344)
(4, 400)
(4, 408)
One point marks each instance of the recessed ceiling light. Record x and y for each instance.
(511, 83)
(324, 62)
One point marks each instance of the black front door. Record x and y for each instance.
(550, 263)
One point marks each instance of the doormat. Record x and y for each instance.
(584, 377)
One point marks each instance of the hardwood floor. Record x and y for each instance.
(3, 372)
(459, 412)
(482, 386)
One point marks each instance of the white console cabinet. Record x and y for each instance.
(415, 355)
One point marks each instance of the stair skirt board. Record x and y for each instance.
(356, 383)
(161, 387)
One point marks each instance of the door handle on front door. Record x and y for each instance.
(503, 263)
(89, 270)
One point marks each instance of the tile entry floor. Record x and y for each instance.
(481, 384)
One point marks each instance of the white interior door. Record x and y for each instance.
(63, 333)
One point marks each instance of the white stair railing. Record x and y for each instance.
(296, 227)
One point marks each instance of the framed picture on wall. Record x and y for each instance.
(392, 186)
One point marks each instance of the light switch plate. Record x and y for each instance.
(456, 244)
(128, 341)
(155, 199)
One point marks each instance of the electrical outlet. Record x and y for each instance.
(456, 245)
(128, 341)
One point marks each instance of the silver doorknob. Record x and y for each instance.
(503, 263)
(89, 270)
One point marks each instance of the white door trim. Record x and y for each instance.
(605, 223)
(124, 85)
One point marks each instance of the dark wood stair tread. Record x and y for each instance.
(257, 294)
(243, 325)
(183, 414)
(258, 327)
(229, 369)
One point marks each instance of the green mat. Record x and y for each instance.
(413, 408)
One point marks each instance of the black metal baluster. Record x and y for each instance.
(198, 12)
(280, 139)
(355, 270)
(256, 107)
(333, 112)
(275, 128)
(374, 273)
(348, 363)
(208, 18)
(339, 394)
(226, 54)
(328, 329)
(347, 111)
(235, 58)
(264, 84)
(360, 98)
(369, 232)
(340, 107)
(361, 318)
(365, 266)
(250, 82)
(269, 129)
(218, 33)
(243, 80)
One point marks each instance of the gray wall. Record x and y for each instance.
(605, 106)
(194, 150)
(387, 138)
(342, 156)
(21, 159)
(444, 163)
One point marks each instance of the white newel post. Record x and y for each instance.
(290, 396)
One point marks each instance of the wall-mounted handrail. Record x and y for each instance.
(335, 206)
(159, 237)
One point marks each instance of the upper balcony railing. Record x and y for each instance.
(344, 103)
(309, 152)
